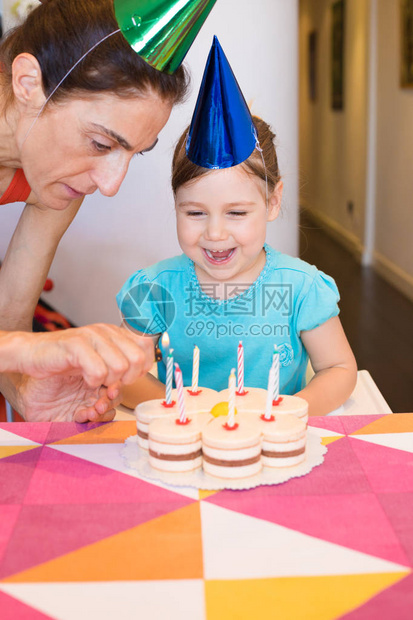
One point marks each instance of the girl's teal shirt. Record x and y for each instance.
(288, 297)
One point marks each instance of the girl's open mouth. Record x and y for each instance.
(218, 257)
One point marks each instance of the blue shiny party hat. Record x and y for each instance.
(222, 133)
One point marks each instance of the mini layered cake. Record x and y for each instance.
(291, 405)
(283, 441)
(154, 409)
(176, 447)
(232, 453)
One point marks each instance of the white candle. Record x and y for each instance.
(180, 392)
(240, 368)
(231, 399)
(270, 392)
(195, 370)
(169, 374)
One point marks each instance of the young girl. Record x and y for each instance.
(230, 286)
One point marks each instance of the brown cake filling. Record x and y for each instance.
(222, 463)
(175, 457)
(281, 455)
(142, 434)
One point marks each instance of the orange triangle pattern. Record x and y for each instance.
(6, 451)
(169, 547)
(320, 598)
(114, 432)
(326, 440)
(393, 423)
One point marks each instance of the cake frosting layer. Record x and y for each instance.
(234, 453)
(174, 446)
(283, 441)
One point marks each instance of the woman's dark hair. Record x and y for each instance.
(59, 32)
(184, 171)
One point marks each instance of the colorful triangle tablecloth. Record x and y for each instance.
(82, 536)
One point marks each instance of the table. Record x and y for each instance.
(82, 537)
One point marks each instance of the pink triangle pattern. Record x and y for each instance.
(18, 470)
(351, 424)
(8, 518)
(340, 473)
(12, 609)
(398, 475)
(399, 510)
(65, 479)
(331, 424)
(394, 602)
(354, 521)
(63, 430)
(35, 432)
(68, 528)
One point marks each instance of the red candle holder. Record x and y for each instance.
(168, 405)
(194, 393)
(270, 419)
(244, 393)
(184, 423)
(275, 403)
(230, 428)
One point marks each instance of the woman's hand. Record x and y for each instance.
(101, 354)
(66, 399)
(75, 374)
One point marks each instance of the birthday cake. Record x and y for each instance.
(223, 451)
(232, 434)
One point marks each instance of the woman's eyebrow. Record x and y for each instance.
(112, 134)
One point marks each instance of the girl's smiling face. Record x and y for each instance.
(221, 223)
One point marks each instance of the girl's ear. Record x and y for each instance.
(274, 202)
(27, 80)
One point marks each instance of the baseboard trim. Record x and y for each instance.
(392, 273)
(389, 271)
(338, 232)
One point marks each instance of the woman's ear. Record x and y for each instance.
(27, 80)
(274, 202)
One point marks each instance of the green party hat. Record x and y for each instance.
(162, 31)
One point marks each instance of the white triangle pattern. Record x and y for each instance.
(128, 600)
(397, 441)
(269, 550)
(11, 439)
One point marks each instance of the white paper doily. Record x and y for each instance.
(136, 458)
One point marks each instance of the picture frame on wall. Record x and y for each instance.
(337, 54)
(406, 64)
(312, 65)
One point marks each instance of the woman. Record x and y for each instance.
(109, 107)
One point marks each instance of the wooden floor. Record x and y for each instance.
(377, 319)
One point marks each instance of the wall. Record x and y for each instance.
(111, 238)
(334, 145)
(394, 203)
(333, 142)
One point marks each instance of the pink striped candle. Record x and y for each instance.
(180, 392)
(240, 368)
